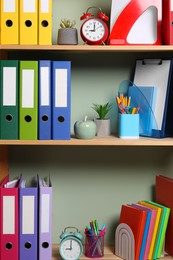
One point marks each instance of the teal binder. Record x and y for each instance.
(9, 99)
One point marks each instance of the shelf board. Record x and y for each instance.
(105, 48)
(97, 141)
(108, 254)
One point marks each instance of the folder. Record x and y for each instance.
(165, 211)
(156, 228)
(9, 221)
(9, 106)
(61, 100)
(28, 107)
(28, 219)
(145, 98)
(28, 22)
(45, 220)
(44, 120)
(167, 19)
(146, 230)
(164, 196)
(45, 22)
(135, 219)
(135, 22)
(150, 230)
(9, 18)
(158, 73)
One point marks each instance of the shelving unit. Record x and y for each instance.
(109, 141)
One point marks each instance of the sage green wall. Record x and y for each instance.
(91, 182)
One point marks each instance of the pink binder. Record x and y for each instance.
(9, 220)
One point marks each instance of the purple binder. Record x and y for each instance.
(45, 220)
(28, 219)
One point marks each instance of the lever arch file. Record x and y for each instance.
(61, 100)
(9, 104)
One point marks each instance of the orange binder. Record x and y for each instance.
(164, 196)
(135, 219)
(167, 20)
(129, 16)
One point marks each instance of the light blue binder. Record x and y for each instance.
(44, 92)
(61, 93)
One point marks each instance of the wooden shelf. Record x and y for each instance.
(106, 48)
(108, 254)
(98, 141)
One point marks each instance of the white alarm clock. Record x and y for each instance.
(71, 247)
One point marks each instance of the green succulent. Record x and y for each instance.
(102, 110)
(66, 23)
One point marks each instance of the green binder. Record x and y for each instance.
(9, 99)
(28, 108)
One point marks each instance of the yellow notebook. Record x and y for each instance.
(156, 227)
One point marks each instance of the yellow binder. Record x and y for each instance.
(9, 22)
(28, 22)
(45, 22)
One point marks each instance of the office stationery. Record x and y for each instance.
(145, 97)
(44, 101)
(143, 22)
(9, 107)
(28, 22)
(150, 230)
(157, 72)
(146, 230)
(9, 221)
(45, 220)
(45, 22)
(9, 22)
(162, 228)
(28, 219)
(153, 246)
(135, 219)
(28, 108)
(124, 242)
(61, 111)
(129, 126)
(167, 18)
(164, 193)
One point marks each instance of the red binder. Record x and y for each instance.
(164, 196)
(129, 16)
(9, 220)
(135, 219)
(167, 20)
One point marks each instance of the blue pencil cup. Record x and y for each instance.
(129, 126)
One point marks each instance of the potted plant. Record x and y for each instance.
(102, 123)
(67, 34)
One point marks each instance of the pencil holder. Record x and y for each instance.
(94, 246)
(129, 126)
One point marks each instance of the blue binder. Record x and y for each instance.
(44, 111)
(61, 93)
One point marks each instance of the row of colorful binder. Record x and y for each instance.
(35, 100)
(26, 220)
(148, 222)
(26, 22)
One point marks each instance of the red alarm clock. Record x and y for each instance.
(94, 31)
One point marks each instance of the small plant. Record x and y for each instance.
(102, 110)
(66, 23)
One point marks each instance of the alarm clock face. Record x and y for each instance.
(94, 31)
(70, 249)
